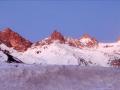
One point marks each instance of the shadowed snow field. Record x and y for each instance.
(41, 77)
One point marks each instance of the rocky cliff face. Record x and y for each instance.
(13, 39)
(73, 42)
(57, 36)
(88, 41)
(85, 41)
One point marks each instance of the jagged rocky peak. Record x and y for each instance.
(13, 39)
(73, 42)
(86, 36)
(7, 30)
(87, 41)
(57, 36)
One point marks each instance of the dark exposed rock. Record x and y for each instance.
(11, 59)
(115, 63)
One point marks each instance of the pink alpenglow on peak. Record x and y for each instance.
(13, 39)
(88, 41)
(59, 50)
(57, 36)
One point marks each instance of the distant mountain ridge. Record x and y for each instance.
(58, 50)
(13, 39)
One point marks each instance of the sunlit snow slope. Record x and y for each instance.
(62, 54)
(59, 50)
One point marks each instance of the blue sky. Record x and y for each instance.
(37, 19)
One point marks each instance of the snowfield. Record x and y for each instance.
(55, 77)
(63, 54)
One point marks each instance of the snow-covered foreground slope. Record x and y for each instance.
(63, 54)
(40, 77)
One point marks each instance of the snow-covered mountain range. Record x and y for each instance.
(58, 50)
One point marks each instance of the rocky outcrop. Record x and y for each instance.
(11, 59)
(57, 36)
(115, 63)
(13, 39)
(85, 41)
(88, 41)
(73, 42)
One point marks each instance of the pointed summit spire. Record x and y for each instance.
(7, 30)
(57, 36)
(87, 41)
(86, 36)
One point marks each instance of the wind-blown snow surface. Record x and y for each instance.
(45, 77)
(63, 54)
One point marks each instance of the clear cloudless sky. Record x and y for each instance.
(35, 20)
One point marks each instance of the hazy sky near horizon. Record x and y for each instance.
(37, 19)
